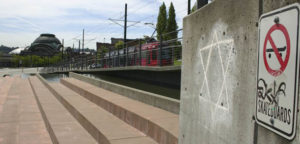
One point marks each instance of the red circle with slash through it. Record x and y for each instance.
(283, 63)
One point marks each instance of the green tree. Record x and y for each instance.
(34, 60)
(194, 8)
(55, 59)
(102, 51)
(15, 60)
(119, 45)
(161, 21)
(171, 24)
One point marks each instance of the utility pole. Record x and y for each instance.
(125, 34)
(82, 40)
(78, 53)
(82, 49)
(62, 50)
(79, 46)
(71, 57)
(62, 54)
(152, 26)
(125, 24)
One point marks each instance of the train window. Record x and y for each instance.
(144, 54)
(148, 57)
(165, 54)
(154, 54)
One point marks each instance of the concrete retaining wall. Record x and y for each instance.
(164, 78)
(218, 81)
(171, 105)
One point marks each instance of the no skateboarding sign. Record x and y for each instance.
(276, 50)
(278, 71)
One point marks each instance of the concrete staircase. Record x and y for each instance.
(160, 125)
(77, 112)
(74, 112)
(61, 125)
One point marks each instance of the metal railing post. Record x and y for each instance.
(96, 59)
(118, 61)
(189, 7)
(86, 62)
(101, 59)
(81, 62)
(62, 65)
(173, 54)
(140, 52)
(126, 54)
(109, 57)
(160, 50)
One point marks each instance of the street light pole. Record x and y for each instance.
(152, 26)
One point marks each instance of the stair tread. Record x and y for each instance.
(65, 127)
(110, 126)
(20, 118)
(167, 120)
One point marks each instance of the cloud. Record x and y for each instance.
(54, 8)
(23, 20)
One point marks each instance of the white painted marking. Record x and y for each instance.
(216, 105)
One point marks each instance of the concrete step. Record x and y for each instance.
(61, 125)
(5, 84)
(102, 125)
(8, 113)
(20, 119)
(160, 125)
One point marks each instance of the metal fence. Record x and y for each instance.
(165, 52)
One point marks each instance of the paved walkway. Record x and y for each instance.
(18, 71)
(20, 118)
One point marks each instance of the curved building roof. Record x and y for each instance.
(17, 51)
(47, 38)
(45, 45)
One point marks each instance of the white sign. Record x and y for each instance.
(278, 71)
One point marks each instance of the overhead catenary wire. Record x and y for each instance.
(136, 8)
(143, 5)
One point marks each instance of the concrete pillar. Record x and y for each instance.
(269, 5)
(218, 80)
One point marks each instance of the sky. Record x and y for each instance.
(22, 21)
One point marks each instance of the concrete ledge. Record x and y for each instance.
(168, 104)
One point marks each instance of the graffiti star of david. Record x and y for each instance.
(216, 44)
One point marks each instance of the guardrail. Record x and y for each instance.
(165, 52)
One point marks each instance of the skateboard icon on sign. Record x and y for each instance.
(282, 54)
(280, 50)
